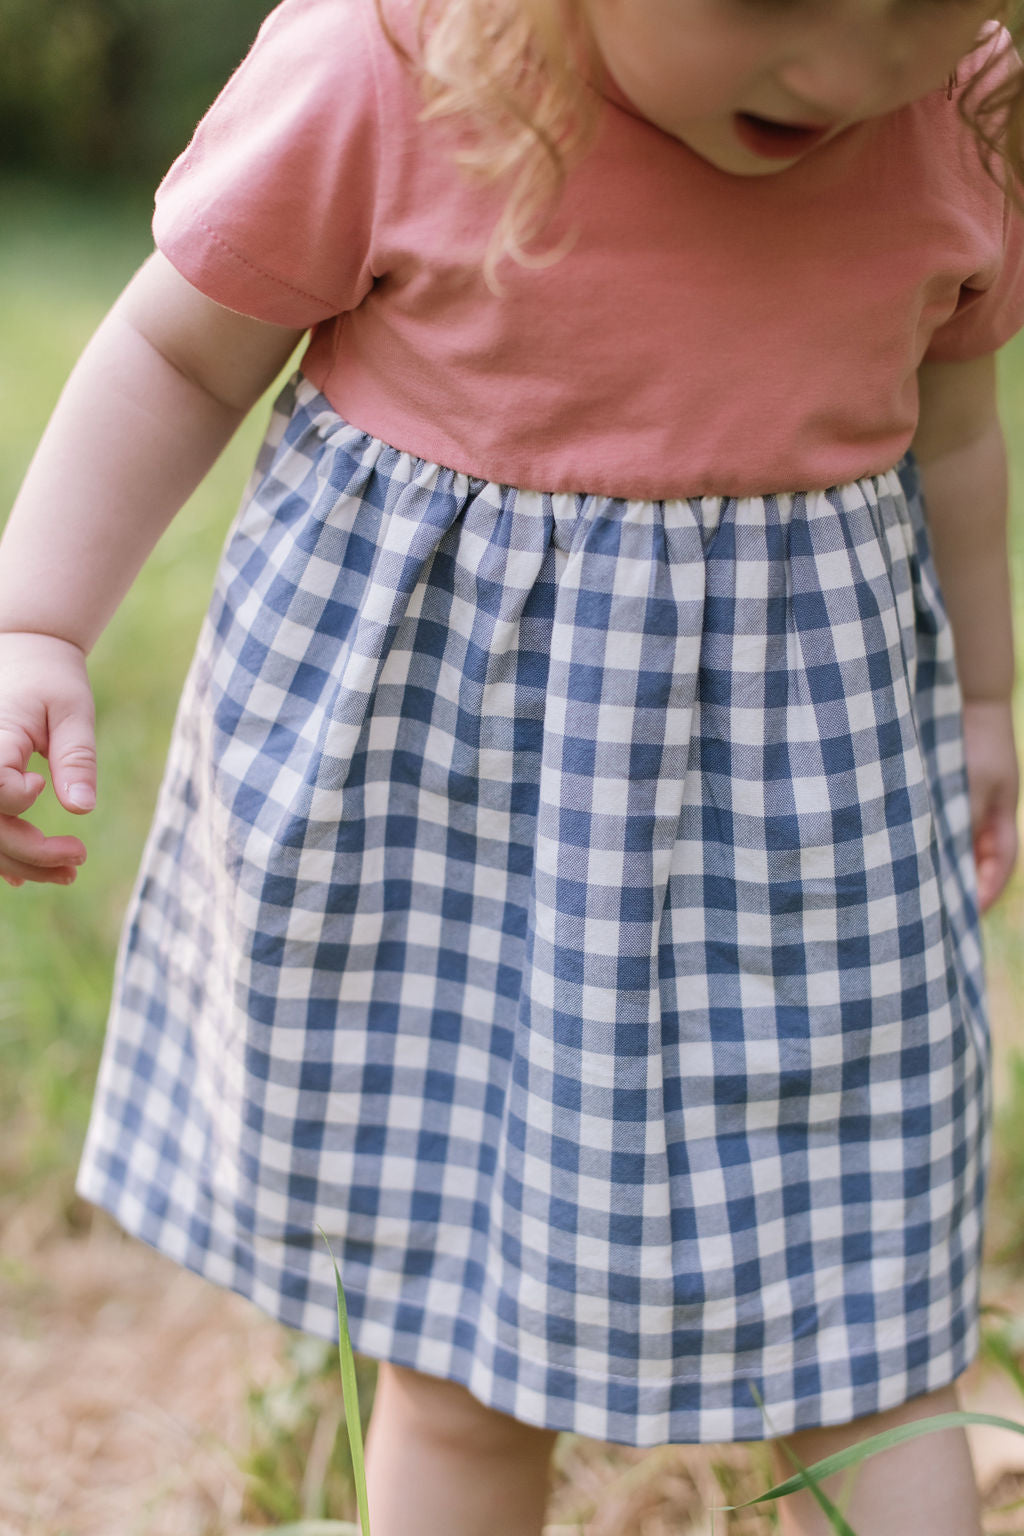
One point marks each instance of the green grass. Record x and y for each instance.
(299, 1464)
(63, 259)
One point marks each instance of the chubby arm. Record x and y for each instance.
(959, 446)
(152, 401)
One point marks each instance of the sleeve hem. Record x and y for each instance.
(211, 264)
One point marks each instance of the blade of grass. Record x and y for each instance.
(854, 1454)
(1005, 1509)
(805, 1478)
(350, 1395)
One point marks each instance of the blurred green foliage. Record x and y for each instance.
(100, 87)
(63, 257)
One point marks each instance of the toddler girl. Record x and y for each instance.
(564, 886)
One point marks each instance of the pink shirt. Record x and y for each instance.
(705, 334)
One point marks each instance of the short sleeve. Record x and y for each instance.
(990, 308)
(986, 317)
(270, 209)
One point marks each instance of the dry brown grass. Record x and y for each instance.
(122, 1387)
(124, 1384)
(124, 1391)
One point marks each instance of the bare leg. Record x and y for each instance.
(924, 1487)
(438, 1463)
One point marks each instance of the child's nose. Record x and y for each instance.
(841, 80)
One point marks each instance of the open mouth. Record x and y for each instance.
(773, 140)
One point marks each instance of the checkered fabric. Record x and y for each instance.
(567, 903)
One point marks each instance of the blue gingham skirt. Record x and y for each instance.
(567, 903)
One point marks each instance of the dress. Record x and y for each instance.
(566, 901)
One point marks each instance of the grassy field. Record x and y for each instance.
(63, 258)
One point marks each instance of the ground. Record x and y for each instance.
(129, 1393)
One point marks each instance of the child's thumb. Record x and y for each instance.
(73, 763)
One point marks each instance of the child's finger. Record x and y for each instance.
(73, 762)
(26, 852)
(995, 854)
(16, 873)
(18, 790)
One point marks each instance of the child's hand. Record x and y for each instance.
(46, 707)
(993, 778)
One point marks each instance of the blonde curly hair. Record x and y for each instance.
(517, 71)
(521, 72)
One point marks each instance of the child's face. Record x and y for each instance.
(753, 85)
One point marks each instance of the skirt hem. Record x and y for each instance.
(580, 1403)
